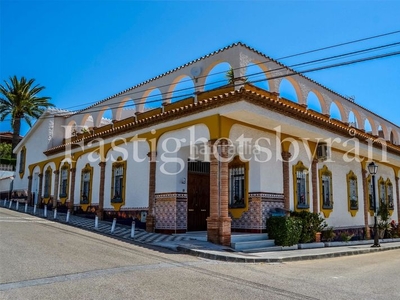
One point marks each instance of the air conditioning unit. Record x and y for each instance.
(322, 151)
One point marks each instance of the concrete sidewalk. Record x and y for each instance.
(192, 245)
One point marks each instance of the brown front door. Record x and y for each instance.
(198, 195)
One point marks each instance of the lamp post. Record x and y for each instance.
(373, 169)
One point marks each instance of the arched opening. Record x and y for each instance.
(217, 76)
(184, 88)
(71, 129)
(287, 91)
(381, 134)
(105, 117)
(313, 102)
(352, 120)
(126, 109)
(256, 76)
(86, 119)
(154, 99)
(367, 126)
(334, 111)
(392, 138)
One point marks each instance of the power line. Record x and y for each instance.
(289, 56)
(82, 111)
(271, 78)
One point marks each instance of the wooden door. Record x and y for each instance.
(198, 196)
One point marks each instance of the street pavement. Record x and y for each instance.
(43, 259)
(191, 244)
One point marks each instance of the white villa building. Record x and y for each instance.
(216, 160)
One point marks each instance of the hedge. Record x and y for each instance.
(285, 231)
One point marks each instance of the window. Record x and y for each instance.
(237, 187)
(301, 184)
(118, 180)
(389, 193)
(326, 193)
(370, 193)
(86, 178)
(352, 192)
(47, 183)
(22, 157)
(64, 181)
(382, 191)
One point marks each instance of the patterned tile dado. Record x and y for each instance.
(171, 211)
(162, 196)
(267, 196)
(260, 205)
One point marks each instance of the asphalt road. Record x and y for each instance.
(40, 259)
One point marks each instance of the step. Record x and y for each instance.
(235, 238)
(265, 249)
(252, 244)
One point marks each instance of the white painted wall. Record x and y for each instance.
(267, 175)
(171, 165)
(137, 176)
(340, 216)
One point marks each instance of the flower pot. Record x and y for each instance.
(318, 237)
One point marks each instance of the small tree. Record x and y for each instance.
(384, 217)
(5, 151)
(312, 223)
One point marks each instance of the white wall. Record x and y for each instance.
(137, 176)
(265, 176)
(340, 216)
(171, 165)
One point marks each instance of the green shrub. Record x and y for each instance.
(285, 231)
(311, 224)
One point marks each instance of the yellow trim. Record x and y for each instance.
(236, 213)
(49, 170)
(325, 171)
(64, 197)
(22, 172)
(117, 164)
(86, 169)
(300, 167)
(352, 210)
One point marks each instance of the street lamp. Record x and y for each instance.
(372, 169)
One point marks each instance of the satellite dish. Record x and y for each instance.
(195, 71)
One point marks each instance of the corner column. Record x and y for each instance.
(29, 200)
(219, 222)
(314, 183)
(72, 191)
(101, 190)
(286, 186)
(151, 218)
(212, 220)
(56, 180)
(224, 220)
(366, 203)
(40, 188)
(398, 198)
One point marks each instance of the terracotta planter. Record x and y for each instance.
(318, 237)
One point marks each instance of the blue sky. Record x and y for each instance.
(85, 51)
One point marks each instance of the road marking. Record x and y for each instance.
(96, 273)
(25, 221)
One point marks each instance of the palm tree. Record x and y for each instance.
(19, 99)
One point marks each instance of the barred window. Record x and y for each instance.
(237, 187)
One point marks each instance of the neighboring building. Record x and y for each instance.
(7, 164)
(218, 160)
(6, 184)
